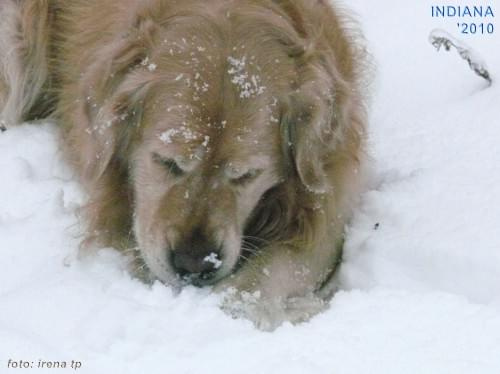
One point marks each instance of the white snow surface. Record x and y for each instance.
(420, 293)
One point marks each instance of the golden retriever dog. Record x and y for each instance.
(222, 138)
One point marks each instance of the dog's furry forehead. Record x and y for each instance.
(189, 124)
(217, 25)
(215, 17)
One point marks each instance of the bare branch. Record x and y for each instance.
(439, 38)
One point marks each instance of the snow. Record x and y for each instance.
(151, 66)
(206, 140)
(183, 131)
(249, 85)
(421, 273)
(166, 136)
(213, 258)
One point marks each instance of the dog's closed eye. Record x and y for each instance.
(246, 178)
(170, 164)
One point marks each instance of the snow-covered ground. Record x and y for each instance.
(421, 276)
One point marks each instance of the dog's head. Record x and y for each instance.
(208, 115)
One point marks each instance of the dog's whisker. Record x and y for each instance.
(250, 250)
(130, 233)
(244, 257)
(129, 250)
(250, 243)
(254, 237)
(251, 254)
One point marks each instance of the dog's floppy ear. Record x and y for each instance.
(308, 130)
(114, 88)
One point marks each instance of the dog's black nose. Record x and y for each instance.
(187, 263)
(196, 259)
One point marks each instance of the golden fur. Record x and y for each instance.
(216, 131)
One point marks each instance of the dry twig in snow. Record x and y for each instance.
(440, 38)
